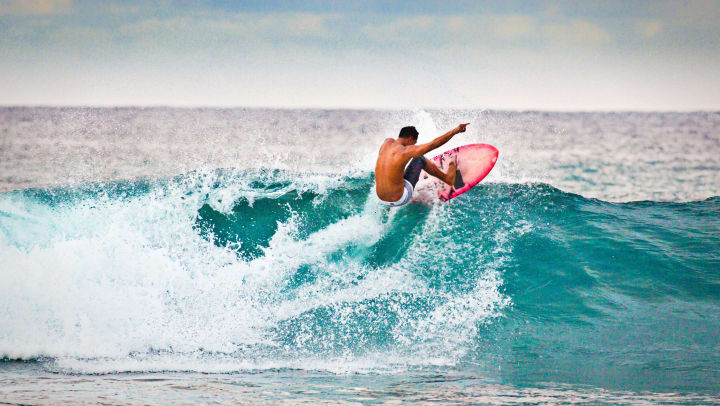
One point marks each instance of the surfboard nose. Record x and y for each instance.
(496, 153)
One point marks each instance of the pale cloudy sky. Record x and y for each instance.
(554, 55)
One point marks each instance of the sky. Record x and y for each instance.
(510, 55)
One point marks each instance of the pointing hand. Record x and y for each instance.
(461, 128)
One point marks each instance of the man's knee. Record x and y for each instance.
(418, 161)
(416, 165)
(412, 173)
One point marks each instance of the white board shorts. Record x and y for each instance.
(405, 198)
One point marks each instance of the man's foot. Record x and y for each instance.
(450, 174)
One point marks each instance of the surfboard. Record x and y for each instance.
(474, 162)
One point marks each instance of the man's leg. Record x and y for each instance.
(448, 177)
(412, 172)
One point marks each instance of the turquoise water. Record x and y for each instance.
(229, 272)
(274, 284)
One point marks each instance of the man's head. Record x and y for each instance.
(408, 135)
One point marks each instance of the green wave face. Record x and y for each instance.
(242, 270)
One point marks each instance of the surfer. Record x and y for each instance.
(394, 187)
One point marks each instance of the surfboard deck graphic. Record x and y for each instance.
(474, 162)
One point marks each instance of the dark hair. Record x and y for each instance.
(408, 132)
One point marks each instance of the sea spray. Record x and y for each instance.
(141, 273)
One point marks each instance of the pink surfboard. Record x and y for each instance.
(474, 162)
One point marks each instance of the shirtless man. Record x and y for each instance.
(394, 187)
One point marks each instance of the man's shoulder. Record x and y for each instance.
(388, 143)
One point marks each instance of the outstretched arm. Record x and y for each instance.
(422, 149)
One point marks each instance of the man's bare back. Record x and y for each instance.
(396, 153)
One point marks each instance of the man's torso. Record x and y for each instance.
(389, 168)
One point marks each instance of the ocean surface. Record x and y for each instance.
(239, 256)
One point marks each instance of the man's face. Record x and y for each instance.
(413, 141)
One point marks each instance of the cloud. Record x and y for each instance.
(427, 30)
(456, 23)
(243, 26)
(648, 28)
(577, 31)
(693, 12)
(116, 8)
(487, 30)
(406, 29)
(24, 7)
(513, 26)
(292, 24)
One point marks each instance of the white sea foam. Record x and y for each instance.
(107, 284)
